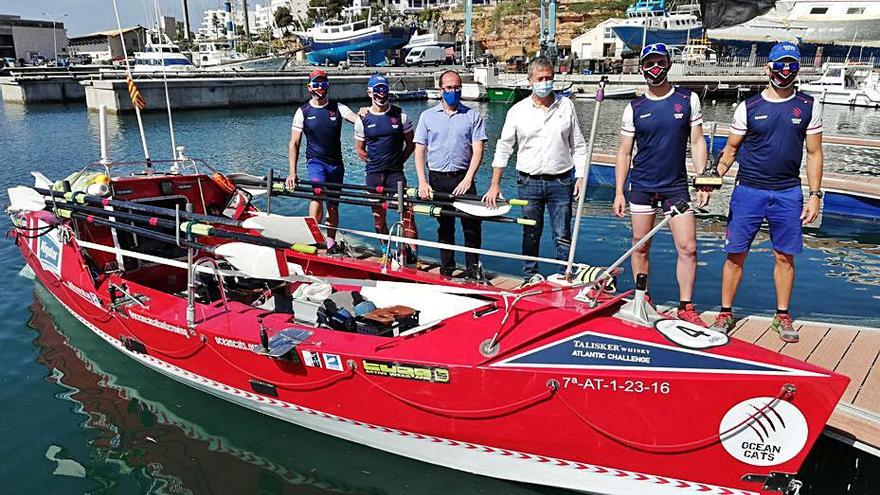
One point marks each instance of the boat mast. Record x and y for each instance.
(185, 20)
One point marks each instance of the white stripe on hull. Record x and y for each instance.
(462, 456)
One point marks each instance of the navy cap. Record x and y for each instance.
(785, 49)
(378, 80)
(658, 48)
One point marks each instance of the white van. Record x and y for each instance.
(426, 55)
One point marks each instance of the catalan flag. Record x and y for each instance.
(136, 99)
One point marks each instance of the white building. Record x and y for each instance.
(599, 42)
(24, 38)
(213, 24)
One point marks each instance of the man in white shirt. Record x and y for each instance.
(550, 162)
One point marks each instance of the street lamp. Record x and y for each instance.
(54, 38)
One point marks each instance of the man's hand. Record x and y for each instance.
(425, 190)
(492, 195)
(703, 197)
(811, 211)
(578, 187)
(290, 183)
(462, 187)
(363, 111)
(619, 206)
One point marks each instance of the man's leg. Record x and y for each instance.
(684, 234)
(532, 191)
(472, 228)
(642, 223)
(374, 180)
(445, 225)
(336, 175)
(316, 173)
(786, 235)
(560, 195)
(731, 275)
(783, 277)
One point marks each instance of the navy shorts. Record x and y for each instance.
(782, 209)
(387, 180)
(646, 203)
(320, 171)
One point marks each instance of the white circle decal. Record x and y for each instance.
(763, 431)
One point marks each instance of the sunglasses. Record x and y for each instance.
(380, 89)
(319, 85)
(779, 66)
(663, 64)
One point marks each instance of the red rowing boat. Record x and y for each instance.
(531, 385)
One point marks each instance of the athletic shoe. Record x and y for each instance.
(690, 315)
(410, 257)
(474, 273)
(534, 279)
(783, 325)
(723, 322)
(338, 248)
(447, 272)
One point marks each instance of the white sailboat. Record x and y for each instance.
(851, 84)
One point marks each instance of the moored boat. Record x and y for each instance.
(533, 384)
(330, 42)
(506, 93)
(850, 84)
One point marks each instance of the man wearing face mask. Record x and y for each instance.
(320, 119)
(449, 138)
(661, 123)
(550, 162)
(384, 140)
(767, 139)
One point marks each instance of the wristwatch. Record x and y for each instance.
(818, 193)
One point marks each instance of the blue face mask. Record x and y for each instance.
(542, 89)
(452, 98)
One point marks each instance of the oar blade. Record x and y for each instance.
(480, 209)
(40, 180)
(23, 198)
(258, 261)
(292, 230)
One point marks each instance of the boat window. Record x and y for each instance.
(855, 10)
(834, 73)
(818, 10)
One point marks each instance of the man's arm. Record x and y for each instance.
(503, 150)
(815, 164)
(621, 170)
(421, 159)
(347, 114)
(360, 144)
(409, 145)
(578, 147)
(728, 154)
(361, 148)
(292, 157)
(473, 166)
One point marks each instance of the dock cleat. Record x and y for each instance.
(784, 326)
(690, 315)
(723, 322)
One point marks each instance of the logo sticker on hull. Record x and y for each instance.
(688, 335)
(763, 431)
(49, 253)
(592, 350)
(407, 371)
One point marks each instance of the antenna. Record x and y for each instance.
(165, 83)
(137, 110)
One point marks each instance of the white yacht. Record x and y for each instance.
(161, 55)
(851, 84)
(214, 53)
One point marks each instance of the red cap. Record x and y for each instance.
(316, 74)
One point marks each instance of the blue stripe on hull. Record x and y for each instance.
(632, 36)
(376, 44)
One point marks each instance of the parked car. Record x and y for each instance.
(425, 55)
(38, 60)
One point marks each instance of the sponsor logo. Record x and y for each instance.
(91, 297)
(645, 115)
(312, 359)
(332, 361)
(796, 112)
(678, 115)
(184, 187)
(235, 344)
(310, 117)
(678, 108)
(370, 126)
(688, 335)
(122, 192)
(407, 371)
(763, 431)
(796, 121)
(159, 324)
(49, 253)
(760, 117)
(394, 121)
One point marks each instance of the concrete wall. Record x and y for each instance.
(29, 39)
(227, 92)
(45, 90)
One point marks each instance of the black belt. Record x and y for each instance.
(454, 173)
(563, 175)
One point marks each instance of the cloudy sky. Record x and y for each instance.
(87, 16)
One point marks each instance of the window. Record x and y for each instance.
(855, 10)
(609, 33)
(818, 10)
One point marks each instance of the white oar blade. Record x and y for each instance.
(23, 198)
(258, 261)
(293, 230)
(41, 181)
(254, 191)
(480, 209)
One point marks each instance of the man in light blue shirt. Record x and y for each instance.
(449, 139)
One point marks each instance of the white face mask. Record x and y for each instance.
(542, 89)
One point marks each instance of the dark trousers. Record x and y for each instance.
(555, 194)
(473, 228)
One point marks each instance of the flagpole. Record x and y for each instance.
(137, 109)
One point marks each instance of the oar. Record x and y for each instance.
(294, 230)
(253, 180)
(421, 209)
(254, 261)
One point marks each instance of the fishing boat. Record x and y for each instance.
(850, 84)
(329, 42)
(506, 93)
(655, 21)
(160, 55)
(561, 383)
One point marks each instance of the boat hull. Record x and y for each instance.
(506, 94)
(847, 98)
(631, 36)
(376, 44)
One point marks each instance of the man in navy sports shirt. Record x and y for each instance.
(767, 139)
(320, 119)
(661, 122)
(384, 140)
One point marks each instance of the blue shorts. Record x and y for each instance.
(645, 203)
(749, 206)
(387, 180)
(320, 171)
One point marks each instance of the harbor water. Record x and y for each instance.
(82, 418)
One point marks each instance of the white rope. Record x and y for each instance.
(453, 247)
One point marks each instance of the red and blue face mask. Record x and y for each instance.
(656, 72)
(783, 74)
(319, 89)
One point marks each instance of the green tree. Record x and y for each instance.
(283, 17)
(327, 9)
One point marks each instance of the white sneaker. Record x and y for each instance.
(534, 279)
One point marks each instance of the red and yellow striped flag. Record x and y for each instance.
(136, 99)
